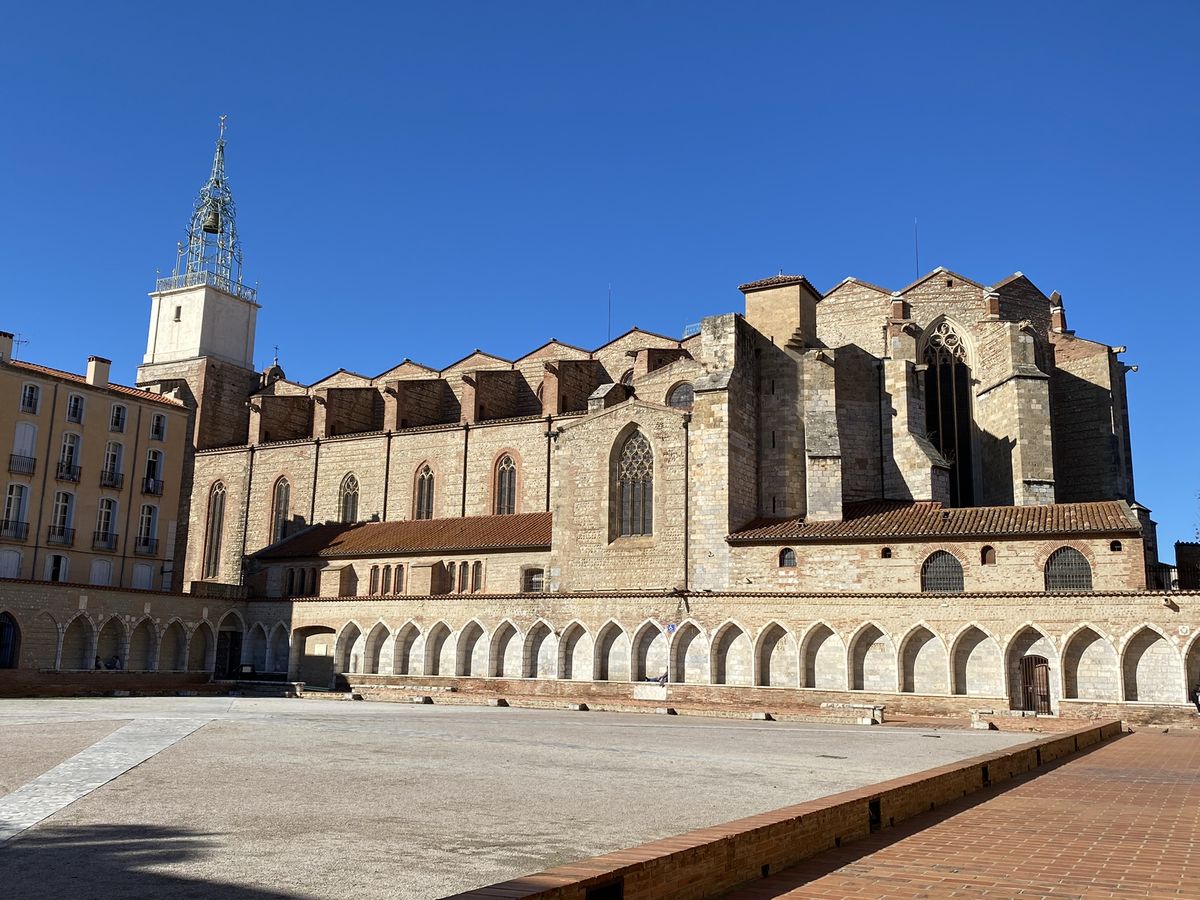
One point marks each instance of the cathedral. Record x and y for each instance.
(919, 496)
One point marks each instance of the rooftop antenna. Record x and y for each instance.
(610, 311)
(916, 249)
(17, 342)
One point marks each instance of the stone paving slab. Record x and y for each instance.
(26, 751)
(1120, 821)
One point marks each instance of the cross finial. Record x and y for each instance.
(222, 119)
(276, 354)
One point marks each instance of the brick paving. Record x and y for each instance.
(1120, 821)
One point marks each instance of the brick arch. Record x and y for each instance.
(1046, 548)
(731, 656)
(776, 665)
(519, 463)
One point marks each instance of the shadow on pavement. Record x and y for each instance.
(113, 861)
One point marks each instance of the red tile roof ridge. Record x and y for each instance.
(79, 379)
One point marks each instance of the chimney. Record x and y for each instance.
(1058, 315)
(993, 304)
(97, 371)
(899, 308)
(6, 345)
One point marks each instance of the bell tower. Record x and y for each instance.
(202, 319)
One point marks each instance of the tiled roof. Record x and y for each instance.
(893, 519)
(523, 531)
(775, 281)
(79, 379)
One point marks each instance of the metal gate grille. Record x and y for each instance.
(1035, 684)
(1068, 570)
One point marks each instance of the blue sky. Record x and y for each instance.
(427, 179)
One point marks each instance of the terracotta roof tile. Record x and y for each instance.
(523, 531)
(79, 379)
(894, 519)
(777, 280)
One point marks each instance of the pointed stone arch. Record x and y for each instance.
(540, 651)
(44, 638)
(111, 640)
(255, 651)
(1150, 667)
(948, 353)
(732, 655)
(776, 657)
(78, 643)
(976, 663)
(143, 647)
(439, 651)
(504, 655)
(575, 653)
(1191, 670)
(923, 662)
(278, 650)
(376, 651)
(871, 659)
(348, 649)
(1090, 669)
(471, 651)
(1031, 640)
(201, 648)
(823, 658)
(613, 654)
(649, 651)
(172, 647)
(689, 655)
(405, 653)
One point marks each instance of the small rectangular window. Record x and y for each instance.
(117, 421)
(178, 313)
(75, 408)
(532, 581)
(158, 427)
(30, 395)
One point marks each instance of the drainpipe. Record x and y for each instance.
(549, 438)
(687, 495)
(246, 514)
(312, 505)
(387, 473)
(466, 445)
(45, 474)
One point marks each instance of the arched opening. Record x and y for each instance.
(10, 641)
(439, 651)
(540, 652)
(649, 653)
(348, 499)
(77, 650)
(109, 644)
(1192, 673)
(200, 649)
(472, 658)
(777, 658)
(280, 510)
(923, 668)
(575, 652)
(277, 650)
(733, 656)
(976, 668)
(823, 659)
(43, 642)
(256, 647)
(505, 661)
(214, 530)
(987, 556)
(141, 647)
(633, 488)
(1068, 570)
(682, 396)
(1033, 676)
(787, 558)
(231, 633)
(690, 656)
(1090, 668)
(403, 650)
(948, 404)
(172, 649)
(423, 493)
(1151, 669)
(314, 655)
(614, 654)
(941, 573)
(376, 660)
(348, 652)
(872, 661)
(506, 486)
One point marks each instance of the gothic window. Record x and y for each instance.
(476, 577)
(506, 486)
(948, 407)
(1068, 570)
(635, 487)
(280, 510)
(627, 378)
(214, 529)
(424, 493)
(682, 396)
(942, 573)
(374, 580)
(787, 558)
(348, 502)
(464, 574)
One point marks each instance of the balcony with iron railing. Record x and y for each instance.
(111, 479)
(152, 486)
(60, 535)
(13, 530)
(145, 546)
(21, 465)
(211, 279)
(67, 472)
(104, 540)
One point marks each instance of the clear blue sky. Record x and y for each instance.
(420, 180)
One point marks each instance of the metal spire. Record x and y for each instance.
(214, 254)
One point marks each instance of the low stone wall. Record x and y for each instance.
(710, 861)
(85, 683)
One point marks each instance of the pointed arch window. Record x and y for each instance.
(213, 530)
(348, 502)
(424, 492)
(1068, 570)
(942, 573)
(635, 486)
(948, 417)
(464, 572)
(506, 486)
(280, 510)
(476, 577)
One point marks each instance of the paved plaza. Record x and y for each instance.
(248, 798)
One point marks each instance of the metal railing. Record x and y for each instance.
(12, 530)
(67, 472)
(1162, 577)
(152, 486)
(21, 465)
(689, 330)
(60, 534)
(212, 279)
(104, 540)
(145, 546)
(28, 406)
(111, 479)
